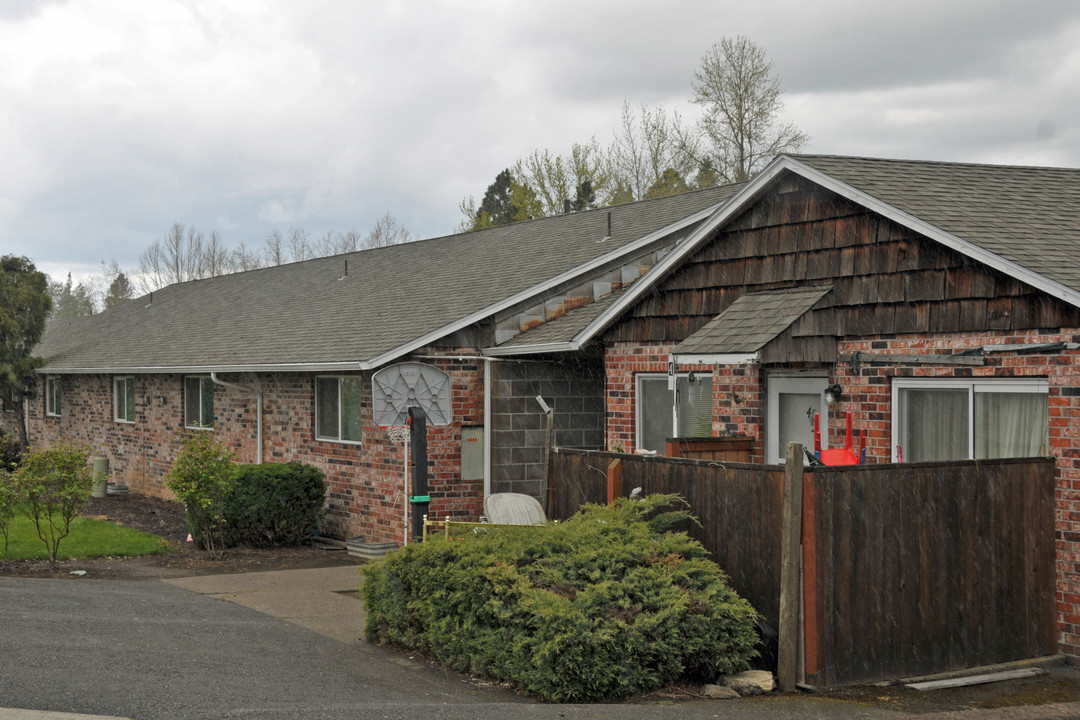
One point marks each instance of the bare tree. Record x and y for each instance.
(300, 247)
(648, 143)
(387, 231)
(183, 254)
(275, 248)
(740, 93)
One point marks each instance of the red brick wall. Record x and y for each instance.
(364, 481)
(736, 401)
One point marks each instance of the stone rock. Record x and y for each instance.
(716, 692)
(751, 682)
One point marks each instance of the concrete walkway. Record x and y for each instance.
(320, 600)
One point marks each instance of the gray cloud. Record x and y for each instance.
(118, 119)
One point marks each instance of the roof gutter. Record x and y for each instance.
(557, 347)
(715, 358)
(258, 412)
(202, 369)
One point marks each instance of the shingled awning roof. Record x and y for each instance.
(747, 325)
(364, 309)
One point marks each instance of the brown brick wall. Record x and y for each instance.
(364, 481)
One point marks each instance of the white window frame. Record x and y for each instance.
(638, 414)
(121, 394)
(973, 385)
(54, 396)
(338, 438)
(198, 424)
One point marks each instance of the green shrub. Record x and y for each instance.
(201, 478)
(272, 505)
(602, 606)
(9, 503)
(10, 452)
(50, 487)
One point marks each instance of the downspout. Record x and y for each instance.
(258, 413)
(488, 365)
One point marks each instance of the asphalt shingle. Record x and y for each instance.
(354, 307)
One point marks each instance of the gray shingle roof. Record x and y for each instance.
(1028, 216)
(752, 321)
(315, 312)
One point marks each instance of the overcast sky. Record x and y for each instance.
(120, 117)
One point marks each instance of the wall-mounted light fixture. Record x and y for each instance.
(834, 394)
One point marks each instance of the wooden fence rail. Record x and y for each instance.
(907, 569)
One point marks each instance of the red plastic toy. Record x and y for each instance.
(839, 456)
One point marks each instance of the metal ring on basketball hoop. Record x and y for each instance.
(397, 433)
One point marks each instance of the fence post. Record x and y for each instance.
(787, 661)
(614, 480)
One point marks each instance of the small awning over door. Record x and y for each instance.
(744, 332)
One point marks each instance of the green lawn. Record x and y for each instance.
(88, 538)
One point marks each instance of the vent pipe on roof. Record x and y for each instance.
(608, 236)
(566, 206)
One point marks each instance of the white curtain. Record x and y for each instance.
(1011, 425)
(935, 424)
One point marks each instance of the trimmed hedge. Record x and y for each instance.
(603, 606)
(274, 504)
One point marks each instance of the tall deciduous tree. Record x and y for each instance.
(647, 143)
(24, 308)
(740, 93)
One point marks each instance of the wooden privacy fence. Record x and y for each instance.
(907, 569)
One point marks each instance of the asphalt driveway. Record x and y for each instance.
(152, 650)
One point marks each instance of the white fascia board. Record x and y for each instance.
(935, 233)
(720, 215)
(535, 349)
(204, 369)
(716, 358)
(535, 290)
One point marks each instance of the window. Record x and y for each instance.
(958, 419)
(52, 395)
(124, 399)
(657, 419)
(198, 402)
(337, 408)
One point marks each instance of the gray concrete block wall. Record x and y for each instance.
(572, 386)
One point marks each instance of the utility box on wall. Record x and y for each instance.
(472, 453)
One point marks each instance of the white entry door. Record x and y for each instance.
(792, 402)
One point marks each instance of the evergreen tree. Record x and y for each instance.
(24, 308)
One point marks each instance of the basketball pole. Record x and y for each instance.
(421, 501)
